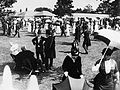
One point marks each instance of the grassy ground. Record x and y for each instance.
(63, 45)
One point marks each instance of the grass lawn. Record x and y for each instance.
(63, 45)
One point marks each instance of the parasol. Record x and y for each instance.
(110, 37)
(44, 14)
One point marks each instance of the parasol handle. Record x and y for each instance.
(103, 55)
(96, 67)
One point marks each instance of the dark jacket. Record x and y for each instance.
(73, 68)
(38, 44)
(50, 47)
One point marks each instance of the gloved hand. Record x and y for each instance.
(66, 73)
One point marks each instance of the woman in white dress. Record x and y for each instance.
(67, 29)
(29, 27)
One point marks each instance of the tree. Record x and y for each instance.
(104, 7)
(63, 7)
(88, 9)
(7, 3)
(43, 9)
(111, 7)
(78, 10)
(115, 8)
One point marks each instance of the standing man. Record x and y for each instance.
(49, 50)
(4, 27)
(38, 42)
(86, 41)
(17, 29)
(62, 27)
(9, 22)
(78, 30)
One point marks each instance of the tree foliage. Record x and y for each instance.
(7, 3)
(104, 7)
(88, 9)
(43, 9)
(63, 7)
(111, 7)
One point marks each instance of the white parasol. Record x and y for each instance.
(108, 35)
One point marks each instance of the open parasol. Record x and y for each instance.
(110, 37)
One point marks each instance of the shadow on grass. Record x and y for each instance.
(64, 43)
(65, 51)
(31, 34)
(55, 75)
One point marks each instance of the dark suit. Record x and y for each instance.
(39, 47)
(86, 41)
(49, 51)
(17, 29)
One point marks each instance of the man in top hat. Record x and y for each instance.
(49, 50)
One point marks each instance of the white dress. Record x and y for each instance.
(68, 30)
(96, 27)
(74, 26)
(58, 30)
(29, 27)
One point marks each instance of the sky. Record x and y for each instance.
(32, 4)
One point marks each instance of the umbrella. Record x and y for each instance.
(110, 37)
(44, 14)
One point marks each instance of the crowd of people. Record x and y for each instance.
(45, 51)
(11, 26)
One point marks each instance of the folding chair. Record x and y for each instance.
(76, 84)
(70, 84)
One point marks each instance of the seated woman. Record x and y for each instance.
(25, 60)
(72, 64)
(108, 72)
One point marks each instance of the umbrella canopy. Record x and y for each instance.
(19, 14)
(112, 37)
(44, 14)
